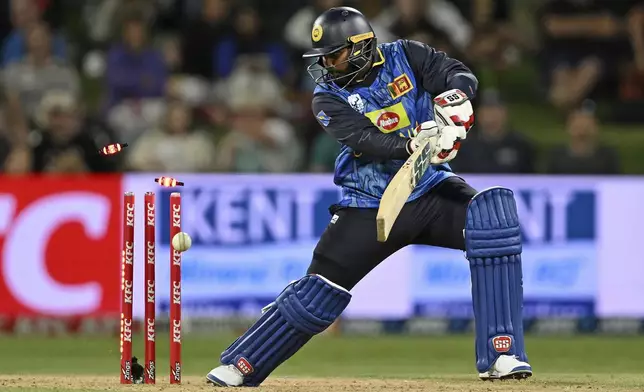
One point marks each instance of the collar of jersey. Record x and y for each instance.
(375, 64)
(381, 60)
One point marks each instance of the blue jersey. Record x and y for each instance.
(392, 101)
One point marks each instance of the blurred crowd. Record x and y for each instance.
(220, 86)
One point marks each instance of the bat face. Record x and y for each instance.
(399, 189)
(421, 164)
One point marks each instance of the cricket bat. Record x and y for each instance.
(400, 187)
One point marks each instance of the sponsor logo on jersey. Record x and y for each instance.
(390, 119)
(400, 86)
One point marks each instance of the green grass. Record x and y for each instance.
(409, 357)
(327, 364)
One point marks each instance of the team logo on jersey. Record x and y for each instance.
(323, 118)
(356, 102)
(316, 33)
(390, 119)
(400, 86)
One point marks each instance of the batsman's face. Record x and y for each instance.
(336, 63)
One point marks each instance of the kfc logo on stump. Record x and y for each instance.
(388, 121)
(502, 344)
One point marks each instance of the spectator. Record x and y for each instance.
(200, 37)
(636, 34)
(102, 17)
(18, 161)
(497, 41)
(66, 141)
(6, 26)
(259, 141)
(584, 43)
(135, 70)
(26, 15)
(631, 89)
(437, 23)
(5, 149)
(27, 81)
(176, 147)
(584, 153)
(132, 118)
(249, 44)
(171, 49)
(297, 32)
(5, 144)
(169, 14)
(492, 146)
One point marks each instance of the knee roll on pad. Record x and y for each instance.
(493, 248)
(305, 308)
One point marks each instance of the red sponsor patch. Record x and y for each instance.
(502, 344)
(244, 366)
(388, 121)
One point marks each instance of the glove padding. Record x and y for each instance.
(428, 129)
(447, 143)
(444, 142)
(454, 115)
(453, 107)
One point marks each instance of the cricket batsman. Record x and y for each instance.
(380, 102)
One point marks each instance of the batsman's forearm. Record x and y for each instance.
(355, 130)
(377, 145)
(464, 81)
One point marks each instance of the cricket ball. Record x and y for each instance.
(181, 242)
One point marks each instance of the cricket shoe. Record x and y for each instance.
(507, 367)
(225, 376)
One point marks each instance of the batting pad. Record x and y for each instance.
(305, 308)
(493, 248)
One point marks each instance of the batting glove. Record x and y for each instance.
(455, 116)
(426, 130)
(447, 143)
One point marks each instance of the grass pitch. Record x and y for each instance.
(403, 363)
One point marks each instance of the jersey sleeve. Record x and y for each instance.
(355, 130)
(437, 72)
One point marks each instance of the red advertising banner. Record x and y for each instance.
(59, 246)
